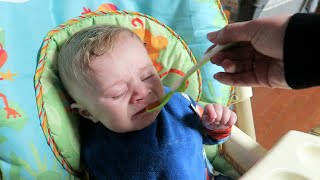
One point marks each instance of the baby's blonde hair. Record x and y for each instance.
(79, 50)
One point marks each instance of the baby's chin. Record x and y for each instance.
(144, 120)
(138, 122)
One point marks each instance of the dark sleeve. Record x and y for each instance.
(301, 51)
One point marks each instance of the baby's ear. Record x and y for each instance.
(83, 112)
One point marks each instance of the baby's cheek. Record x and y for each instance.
(158, 90)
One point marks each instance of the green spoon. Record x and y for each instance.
(180, 84)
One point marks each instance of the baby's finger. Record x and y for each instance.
(225, 116)
(209, 116)
(219, 110)
(233, 119)
(208, 122)
(205, 119)
(210, 111)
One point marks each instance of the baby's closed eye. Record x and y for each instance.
(148, 77)
(119, 95)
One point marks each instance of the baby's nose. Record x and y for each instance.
(140, 95)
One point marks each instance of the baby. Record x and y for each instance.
(107, 71)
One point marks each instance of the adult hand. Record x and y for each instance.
(258, 60)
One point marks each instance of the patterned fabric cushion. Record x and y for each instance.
(33, 145)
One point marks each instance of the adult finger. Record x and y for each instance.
(231, 33)
(241, 53)
(232, 66)
(238, 79)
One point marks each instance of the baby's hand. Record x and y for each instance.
(216, 116)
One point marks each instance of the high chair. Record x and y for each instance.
(38, 132)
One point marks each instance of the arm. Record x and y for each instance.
(301, 51)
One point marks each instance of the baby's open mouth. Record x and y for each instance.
(153, 105)
(139, 112)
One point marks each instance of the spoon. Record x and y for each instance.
(180, 85)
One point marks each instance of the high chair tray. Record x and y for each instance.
(295, 156)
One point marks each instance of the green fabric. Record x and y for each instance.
(224, 167)
(211, 151)
(25, 153)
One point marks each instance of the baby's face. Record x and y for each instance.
(125, 84)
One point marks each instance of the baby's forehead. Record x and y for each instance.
(126, 47)
(126, 36)
(121, 40)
